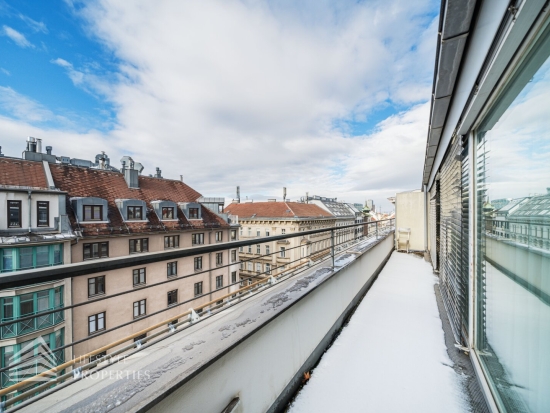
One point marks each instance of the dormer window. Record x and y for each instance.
(193, 213)
(167, 213)
(135, 212)
(93, 212)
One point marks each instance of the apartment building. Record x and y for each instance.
(108, 213)
(345, 214)
(34, 233)
(264, 219)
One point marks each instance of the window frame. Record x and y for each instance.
(171, 294)
(99, 249)
(219, 236)
(194, 213)
(197, 263)
(18, 206)
(166, 209)
(219, 282)
(219, 258)
(197, 289)
(96, 283)
(141, 274)
(92, 213)
(95, 320)
(39, 206)
(142, 242)
(173, 241)
(194, 237)
(134, 208)
(141, 304)
(170, 269)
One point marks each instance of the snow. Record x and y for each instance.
(391, 357)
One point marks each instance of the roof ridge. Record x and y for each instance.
(290, 209)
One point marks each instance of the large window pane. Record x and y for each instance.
(513, 260)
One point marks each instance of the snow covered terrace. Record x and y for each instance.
(392, 355)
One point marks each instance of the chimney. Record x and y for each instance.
(130, 174)
(38, 145)
(158, 173)
(31, 144)
(307, 197)
(1, 154)
(238, 194)
(284, 193)
(181, 178)
(49, 150)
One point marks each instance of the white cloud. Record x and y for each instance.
(247, 92)
(18, 38)
(33, 24)
(22, 107)
(5, 71)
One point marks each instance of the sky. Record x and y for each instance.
(329, 98)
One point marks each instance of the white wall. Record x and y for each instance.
(409, 213)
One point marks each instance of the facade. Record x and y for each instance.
(345, 214)
(264, 219)
(34, 233)
(107, 213)
(486, 179)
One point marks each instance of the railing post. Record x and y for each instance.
(376, 229)
(332, 245)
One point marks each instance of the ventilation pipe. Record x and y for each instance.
(38, 145)
(49, 150)
(284, 193)
(238, 194)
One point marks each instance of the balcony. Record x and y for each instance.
(36, 323)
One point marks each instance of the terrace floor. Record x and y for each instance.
(396, 354)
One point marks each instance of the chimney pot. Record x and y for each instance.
(49, 150)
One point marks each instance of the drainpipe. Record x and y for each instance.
(210, 266)
(30, 214)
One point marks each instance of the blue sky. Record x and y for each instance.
(312, 95)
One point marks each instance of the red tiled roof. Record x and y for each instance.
(86, 182)
(18, 172)
(277, 210)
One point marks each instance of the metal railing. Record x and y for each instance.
(61, 375)
(38, 320)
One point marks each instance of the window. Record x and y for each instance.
(249, 232)
(93, 212)
(219, 236)
(258, 267)
(283, 231)
(14, 214)
(96, 250)
(249, 266)
(198, 288)
(267, 249)
(268, 269)
(42, 213)
(258, 250)
(250, 249)
(96, 286)
(234, 277)
(219, 281)
(241, 265)
(283, 252)
(250, 281)
(241, 249)
(197, 239)
(172, 297)
(267, 233)
(219, 258)
(167, 212)
(171, 241)
(139, 276)
(198, 263)
(233, 235)
(139, 245)
(257, 232)
(193, 213)
(220, 208)
(139, 308)
(98, 356)
(172, 268)
(135, 212)
(233, 255)
(139, 338)
(96, 323)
